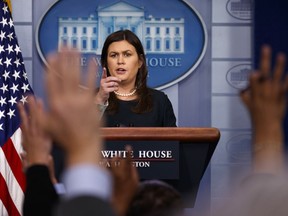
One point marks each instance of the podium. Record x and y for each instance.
(196, 147)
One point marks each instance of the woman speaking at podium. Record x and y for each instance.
(123, 96)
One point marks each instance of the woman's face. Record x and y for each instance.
(123, 61)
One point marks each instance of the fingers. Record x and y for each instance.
(70, 70)
(133, 170)
(28, 121)
(24, 124)
(36, 125)
(248, 94)
(267, 88)
(128, 149)
(33, 110)
(245, 97)
(91, 78)
(104, 73)
(63, 73)
(263, 75)
(124, 162)
(52, 78)
(109, 82)
(34, 140)
(24, 160)
(23, 117)
(265, 64)
(265, 61)
(279, 67)
(255, 80)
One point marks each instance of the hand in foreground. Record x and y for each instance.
(266, 102)
(126, 181)
(265, 98)
(36, 143)
(107, 85)
(72, 119)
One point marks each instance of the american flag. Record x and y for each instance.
(14, 87)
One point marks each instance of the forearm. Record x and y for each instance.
(268, 152)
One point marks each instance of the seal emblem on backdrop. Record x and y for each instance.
(238, 76)
(239, 148)
(240, 9)
(173, 33)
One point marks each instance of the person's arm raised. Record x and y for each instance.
(266, 102)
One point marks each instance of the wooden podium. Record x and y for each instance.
(196, 147)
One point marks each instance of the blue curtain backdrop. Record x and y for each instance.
(271, 27)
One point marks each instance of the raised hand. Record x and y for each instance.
(107, 85)
(126, 181)
(265, 97)
(266, 102)
(36, 142)
(72, 118)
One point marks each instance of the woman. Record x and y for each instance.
(123, 87)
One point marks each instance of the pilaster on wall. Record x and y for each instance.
(231, 65)
(22, 17)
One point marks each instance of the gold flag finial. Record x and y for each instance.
(9, 5)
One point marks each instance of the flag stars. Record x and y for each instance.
(2, 35)
(17, 62)
(10, 48)
(14, 88)
(25, 87)
(23, 99)
(2, 101)
(11, 24)
(7, 62)
(16, 75)
(25, 76)
(5, 9)
(2, 48)
(4, 21)
(2, 114)
(14, 85)
(17, 48)
(10, 36)
(6, 75)
(13, 100)
(11, 113)
(4, 88)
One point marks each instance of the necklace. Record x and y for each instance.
(125, 94)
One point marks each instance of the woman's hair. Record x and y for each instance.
(144, 98)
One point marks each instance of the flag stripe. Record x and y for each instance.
(14, 190)
(17, 141)
(6, 198)
(14, 162)
(3, 211)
